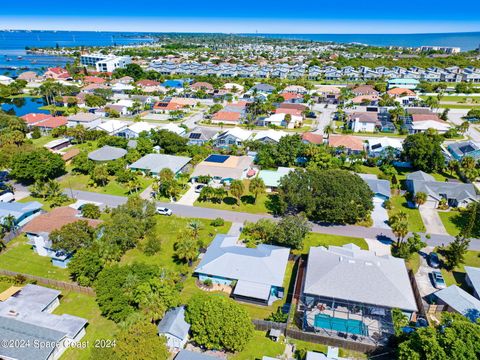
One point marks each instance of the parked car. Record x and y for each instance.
(433, 260)
(164, 211)
(7, 197)
(199, 187)
(438, 280)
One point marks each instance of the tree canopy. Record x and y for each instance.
(219, 323)
(38, 164)
(334, 196)
(73, 236)
(424, 151)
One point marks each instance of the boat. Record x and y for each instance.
(19, 57)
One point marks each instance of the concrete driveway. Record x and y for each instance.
(379, 215)
(422, 277)
(189, 197)
(432, 221)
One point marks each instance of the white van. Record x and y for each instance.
(7, 197)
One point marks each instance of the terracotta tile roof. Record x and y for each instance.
(290, 95)
(55, 219)
(426, 117)
(365, 90)
(400, 92)
(94, 86)
(300, 107)
(147, 83)
(312, 138)
(370, 117)
(288, 111)
(227, 116)
(53, 122)
(58, 70)
(202, 85)
(361, 98)
(347, 141)
(33, 118)
(93, 80)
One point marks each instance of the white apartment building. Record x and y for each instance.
(105, 63)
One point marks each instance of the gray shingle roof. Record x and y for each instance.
(107, 153)
(265, 264)
(473, 274)
(377, 186)
(174, 323)
(25, 333)
(191, 355)
(460, 301)
(156, 162)
(351, 274)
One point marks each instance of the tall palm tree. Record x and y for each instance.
(420, 198)
(399, 225)
(256, 187)
(186, 249)
(194, 227)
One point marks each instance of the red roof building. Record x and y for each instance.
(312, 138)
(227, 117)
(57, 73)
(52, 123)
(292, 112)
(33, 118)
(93, 80)
(349, 142)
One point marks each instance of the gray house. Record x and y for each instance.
(154, 163)
(456, 194)
(459, 301)
(107, 153)
(200, 135)
(256, 273)
(473, 279)
(352, 291)
(174, 327)
(191, 355)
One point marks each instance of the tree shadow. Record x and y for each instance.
(230, 200)
(273, 204)
(248, 199)
(460, 279)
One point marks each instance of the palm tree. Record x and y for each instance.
(399, 225)
(8, 223)
(468, 162)
(453, 166)
(134, 184)
(420, 198)
(194, 227)
(186, 249)
(53, 189)
(256, 187)
(237, 189)
(38, 189)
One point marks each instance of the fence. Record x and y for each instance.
(421, 304)
(51, 282)
(264, 325)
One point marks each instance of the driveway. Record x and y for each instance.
(189, 197)
(379, 215)
(432, 221)
(422, 277)
(379, 247)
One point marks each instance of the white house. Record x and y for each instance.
(233, 136)
(279, 120)
(112, 126)
(134, 130)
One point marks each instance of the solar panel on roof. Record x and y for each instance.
(194, 136)
(217, 158)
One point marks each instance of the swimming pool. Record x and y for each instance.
(220, 159)
(345, 325)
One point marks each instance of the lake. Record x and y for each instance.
(23, 105)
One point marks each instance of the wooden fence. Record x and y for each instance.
(421, 304)
(51, 282)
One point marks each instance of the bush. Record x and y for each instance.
(208, 283)
(91, 211)
(217, 222)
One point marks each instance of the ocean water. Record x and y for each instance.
(466, 41)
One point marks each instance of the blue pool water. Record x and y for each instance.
(220, 159)
(351, 326)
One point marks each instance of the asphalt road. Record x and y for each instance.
(240, 217)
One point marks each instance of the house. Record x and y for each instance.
(352, 144)
(381, 193)
(87, 120)
(472, 279)
(271, 178)
(39, 229)
(112, 127)
(279, 120)
(177, 129)
(265, 88)
(28, 76)
(332, 354)
(200, 135)
(292, 112)
(51, 123)
(459, 301)
(154, 163)
(365, 90)
(58, 144)
(21, 213)
(234, 136)
(423, 122)
(134, 130)
(107, 153)
(201, 85)
(350, 291)
(192, 355)
(364, 122)
(57, 73)
(410, 84)
(227, 117)
(234, 88)
(225, 167)
(26, 317)
(270, 136)
(34, 118)
(462, 149)
(174, 327)
(401, 92)
(93, 80)
(456, 194)
(256, 273)
(312, 138)
(365, 99)
(379, 146)
(70, 154)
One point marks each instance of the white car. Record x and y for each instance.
(164, 211)
(199, 187)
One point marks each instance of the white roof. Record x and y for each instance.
(122, 87)
(461, 301)
(172, 128)
(278, 118)
(275, 135)
(385, 142)
(112, 126)
(430, 124)
(239, 133)
(263, 265)
(229, 86)
(351, 274)
(473, 274)
(141, 126)
(125, 102)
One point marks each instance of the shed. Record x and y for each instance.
(174, 327)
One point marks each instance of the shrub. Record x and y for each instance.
(217, 222)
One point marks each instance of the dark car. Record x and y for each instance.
(433, 260)
(311, 115)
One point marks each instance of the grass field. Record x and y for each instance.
(260, 345)
(457, 275)
(415, 222)
(452, 220)
(98, 327)
(42, 140)
(316, 239)
(81, 182)
(20, 257)
(46, 205)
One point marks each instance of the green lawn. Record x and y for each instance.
(414, 262)
(46, 205)
(457, 275)
(308, 346)
(452, 220)
(260, 345)
(20, 257)
(81, 182)
(415, 222)
(316, 239)
(40, 142)
(458, 106)
(98, 327)
(265, 203)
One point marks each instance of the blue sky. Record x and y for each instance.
(280, 16)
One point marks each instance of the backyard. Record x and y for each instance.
(457, 275)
